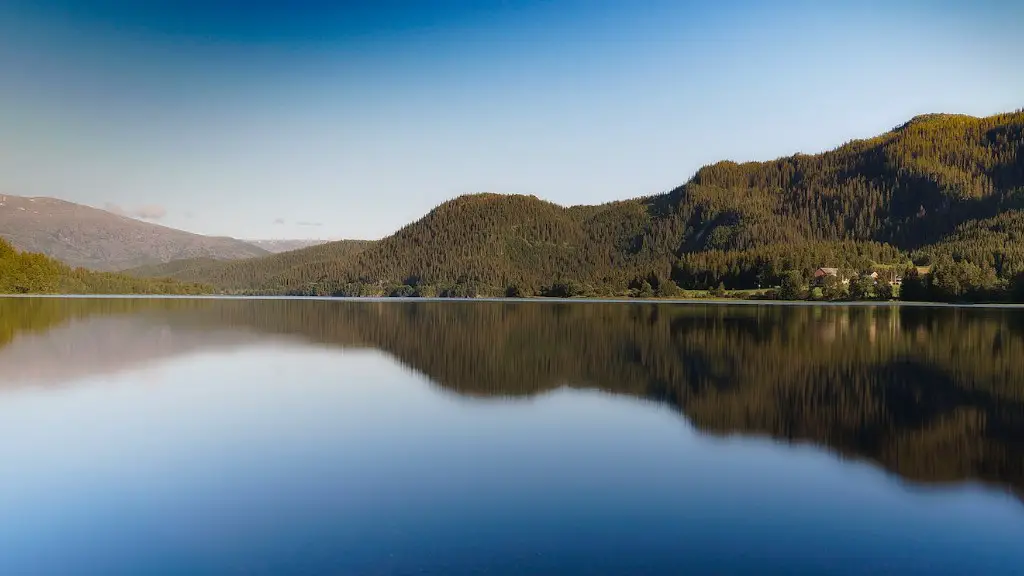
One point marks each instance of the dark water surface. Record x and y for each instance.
(337, 437)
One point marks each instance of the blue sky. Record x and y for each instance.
(351, 119)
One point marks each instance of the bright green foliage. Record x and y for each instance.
(832, 288)
(862, 288)
(995, 244)
(959, 281)
(669, 289)
(792, 287)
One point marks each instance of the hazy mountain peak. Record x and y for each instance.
(278, 245)
(99, 239)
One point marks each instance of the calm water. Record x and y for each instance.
(318, 437)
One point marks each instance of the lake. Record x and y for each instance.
(247, 436)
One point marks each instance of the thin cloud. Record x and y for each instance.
(304, 223)
(278, 221)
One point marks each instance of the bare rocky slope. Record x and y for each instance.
(87, 237)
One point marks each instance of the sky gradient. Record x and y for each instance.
(350, 119)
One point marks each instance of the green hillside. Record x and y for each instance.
(943, 187)
(909, 187)
(266, 274)
(30, 273)
(484, 243)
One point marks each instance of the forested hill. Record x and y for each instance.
(274, 273)
(942, 188)
(909, 187)
(31, 273)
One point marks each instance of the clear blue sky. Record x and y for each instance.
(350, 119)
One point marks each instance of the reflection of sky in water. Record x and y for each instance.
(285, 458)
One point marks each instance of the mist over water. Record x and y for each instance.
(205, 436)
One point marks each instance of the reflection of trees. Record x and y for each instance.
(935, 394)
(20, 315)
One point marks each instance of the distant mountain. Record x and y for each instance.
(940, 188)
(87, 237)
(274, 273)
(278, 246)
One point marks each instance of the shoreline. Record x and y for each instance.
(381, 299)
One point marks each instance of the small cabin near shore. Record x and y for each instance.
(890, 274)
(822, 273)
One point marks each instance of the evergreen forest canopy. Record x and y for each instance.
(30, 273)
(933, 394)
(942, 192)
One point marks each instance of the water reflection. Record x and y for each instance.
(935, 395)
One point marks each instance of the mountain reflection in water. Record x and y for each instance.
(935, 395)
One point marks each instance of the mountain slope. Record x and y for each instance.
(87, 237)
(32, 273)
(997, 242)
(488, 238)
(252, 274)
(485, 242)
(278, 246)
(908, 187)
